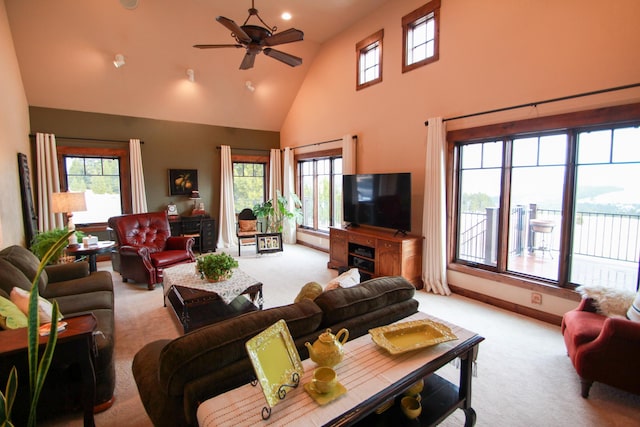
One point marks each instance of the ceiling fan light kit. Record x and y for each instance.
(255, 39)
(119, 60)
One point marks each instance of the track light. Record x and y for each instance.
(250, 85)
(191, 75)
(119, 60)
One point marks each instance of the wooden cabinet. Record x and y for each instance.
(377, 253)
(201, 227)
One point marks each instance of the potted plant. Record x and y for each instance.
(276, 211)
(216, 267)
(43, 241)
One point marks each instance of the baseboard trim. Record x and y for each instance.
(309, 245)
(509, 306)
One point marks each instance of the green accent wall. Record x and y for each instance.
(166, 145)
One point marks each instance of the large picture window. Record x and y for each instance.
(249, 181)
(554, 200)
(320, 190)
(103, 175)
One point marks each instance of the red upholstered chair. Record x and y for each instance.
(601, 348)
(146, 247)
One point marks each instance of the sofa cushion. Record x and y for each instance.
(20, 298)
(11, 317)
(347, 279)
(26, 262)
(11, 277)
(342, 304)
(634, 311)
(220, 344)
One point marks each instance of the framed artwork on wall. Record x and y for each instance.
(269, 242)
(182, 181)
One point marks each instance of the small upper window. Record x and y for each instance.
(420, 36)
(369, 60)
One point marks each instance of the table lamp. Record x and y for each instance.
(197, 210)
(68, 203)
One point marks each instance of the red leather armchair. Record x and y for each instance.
(601, 348)
(146, 247)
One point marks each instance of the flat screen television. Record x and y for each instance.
(380, 200)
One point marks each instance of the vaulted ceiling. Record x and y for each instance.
(66, 48)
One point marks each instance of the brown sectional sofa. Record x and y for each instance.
(77, 292)
(175, 376)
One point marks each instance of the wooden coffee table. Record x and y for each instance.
(197, 303)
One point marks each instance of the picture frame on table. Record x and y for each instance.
(269, 242)
(182, 181)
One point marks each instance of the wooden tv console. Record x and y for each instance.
(377, 252)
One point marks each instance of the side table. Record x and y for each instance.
(74, 344)
(90, 251)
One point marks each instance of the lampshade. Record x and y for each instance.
(194, 195)
(68, 202)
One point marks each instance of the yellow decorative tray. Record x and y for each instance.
(406, 336)
(275, 360)
(324, 398)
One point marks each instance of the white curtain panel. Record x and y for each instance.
(227, 228)
(434, 267)
(289, 226)
(348, 155)
(48, 181)
(138, 192)
(275, 173)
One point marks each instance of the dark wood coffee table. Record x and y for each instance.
(90, 251)
(196, 302)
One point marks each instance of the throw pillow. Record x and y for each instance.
(345, 280)
(608, 301)
(10, 315)
(20, 298)
(310, 291)
(247, 224)
(634, 311)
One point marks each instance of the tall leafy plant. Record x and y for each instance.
(37, 370)
(275, 212)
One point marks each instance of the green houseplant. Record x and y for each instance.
(45, 240)
(275, 212)
(216, 267)
(37, 370)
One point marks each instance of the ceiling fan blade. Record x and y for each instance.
(215, 46)
(238, 32)
(288, 59)
(248, 60)
(288, 36)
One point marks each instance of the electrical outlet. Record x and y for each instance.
(536, 298)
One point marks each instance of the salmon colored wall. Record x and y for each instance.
(14, 131)
(493, 54)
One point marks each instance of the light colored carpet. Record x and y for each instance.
(524, 376)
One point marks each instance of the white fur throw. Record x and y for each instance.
(634, 310)
(609, 301)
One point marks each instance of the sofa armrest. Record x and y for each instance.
(97, 281)
(64, 272)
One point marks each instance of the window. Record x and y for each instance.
(555, 200)
(320, 189)
(369, 60)
(249, 181)
(420, 38)
(103, 175)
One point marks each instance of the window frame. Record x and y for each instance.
(314, 156)
(607, 117)
(362, 47)
(408, 22)
(64, 151)
(256, 158)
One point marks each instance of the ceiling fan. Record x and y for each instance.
(256, 39)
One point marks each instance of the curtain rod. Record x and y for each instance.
(323, 142)
(87, 139)
(546, 101)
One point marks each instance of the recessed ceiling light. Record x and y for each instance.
(286, 16)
